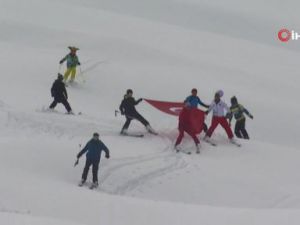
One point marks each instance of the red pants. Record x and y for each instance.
(224, 123)
(181, 135)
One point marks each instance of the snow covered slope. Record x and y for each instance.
(160, 49)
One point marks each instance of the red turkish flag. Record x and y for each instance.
(190, 119)
(172, 108)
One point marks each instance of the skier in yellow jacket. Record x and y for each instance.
(72, 62)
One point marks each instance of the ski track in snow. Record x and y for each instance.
(55, 123)
(166, 160)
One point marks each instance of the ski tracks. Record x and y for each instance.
(123, 176)
(57, 124)
(135, 173)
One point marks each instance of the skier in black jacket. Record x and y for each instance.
(127, 108)
(237, 111)
(59, 93)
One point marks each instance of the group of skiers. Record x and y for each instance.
(58, 89)
(95, 146)
(222, 115)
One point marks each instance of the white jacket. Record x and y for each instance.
(219, 109)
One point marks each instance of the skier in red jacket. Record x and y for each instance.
(186, 124)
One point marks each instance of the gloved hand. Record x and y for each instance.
(141, 99)
(107, 156)
(251, 116)
(76, 162)
(122, 113)
(206, 112)
(79, 63)
(61, 62)
(228, 115)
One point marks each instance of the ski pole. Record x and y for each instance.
(77, 160)
(59, 68)
(81, 75)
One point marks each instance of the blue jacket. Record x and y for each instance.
(194, 101)
(94, 149)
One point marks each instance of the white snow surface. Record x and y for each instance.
(161, 49)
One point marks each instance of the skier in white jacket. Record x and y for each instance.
(220, 111)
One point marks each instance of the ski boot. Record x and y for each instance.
(209, 141)
(206, 138)
(124, 132)
(151, 130)
(233, 141)
(94, 185)
(177, 148)
(70, 113)
(50, 109)
(198, 148)
(81, 183)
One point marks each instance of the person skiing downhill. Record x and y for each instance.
(59, 93)
(219, 117)
(237, 111)
(186, 126)
(93, 150)
(194, 101)
(72, 62)
(128, 109)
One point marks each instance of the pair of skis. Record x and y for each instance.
(186, 152)
(234, 142)
(209, 142)
(48, 110)
(133, 135)
(137, 135)
(178, 150)
(92, 186)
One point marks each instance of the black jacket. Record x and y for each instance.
(128, 104)
(58, 90)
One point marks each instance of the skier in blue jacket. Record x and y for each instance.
(93, 150)
(193, 101)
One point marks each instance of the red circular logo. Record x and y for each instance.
(284, 35)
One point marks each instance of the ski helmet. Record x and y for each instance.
(220, 93)
(60, 76)
(129, 91)
(234, 100)
(96, 134)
